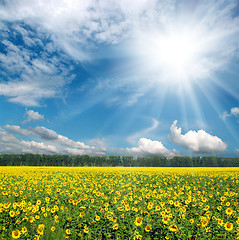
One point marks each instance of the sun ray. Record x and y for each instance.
(218, 109)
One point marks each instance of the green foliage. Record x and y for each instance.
(114, 161)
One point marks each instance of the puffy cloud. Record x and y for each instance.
(44, 133)
(32, 116)
(147, 147)
(47, 135)
(67, 142)
(197, 141)
(38, 146)
(7, 138)
(52, 142)
(234, 112)
(9, 143)
(17, 129)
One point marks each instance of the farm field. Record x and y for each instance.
(118, 203)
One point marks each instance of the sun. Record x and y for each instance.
(175, 51)
(176, 55)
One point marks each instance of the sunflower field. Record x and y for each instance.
(118, 203)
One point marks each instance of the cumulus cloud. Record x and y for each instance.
(10, 144)
(51, 142)
(17, 129)
(44, 133)
(147, 147)
(32, 116)
(38, 146)
(48, 135)
(67, 142)
(234, 112)
(197, 141)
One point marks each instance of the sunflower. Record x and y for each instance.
(228, 226)
(173, 228)
(191, 221)
(138, 237)
(220, 221)
(31, 219)
(16, 234)
(115, 226)
(12, 213)
(157, 208)
(24, 230)
(40, 231)
(208, 229)
(223, 199)
(229, 211)
(147, 228)
(138, 221)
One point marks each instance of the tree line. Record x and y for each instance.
(29, 159)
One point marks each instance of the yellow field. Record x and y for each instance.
(119, 203)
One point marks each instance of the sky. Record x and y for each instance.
(139, 77)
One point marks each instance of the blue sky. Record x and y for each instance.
(138, 78)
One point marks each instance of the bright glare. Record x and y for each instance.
(176, 56)
(175, 52)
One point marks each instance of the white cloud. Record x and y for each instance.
(234, 112)
(51, 140)
(237, 151)
(44, 133)
(50, 135)
(74, 151)
(99, 144)
(197, 141)
(147, 147)
(67, 142)
(17, 129)
(7, 137)
(28, 77)
(78, 27)
(9, 143)
(72, 24)
(32, 116)
(38, 146)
